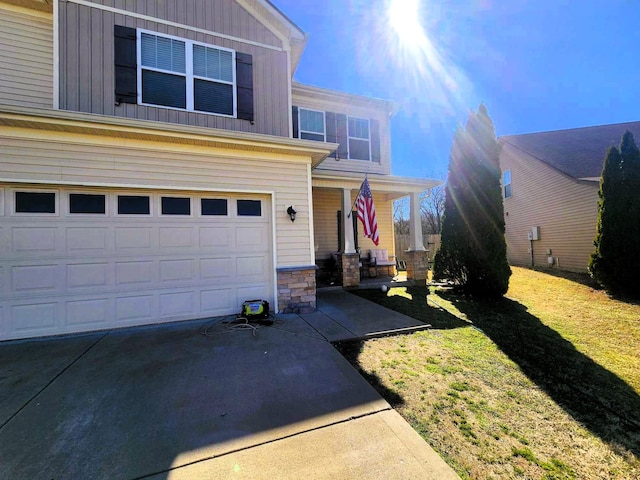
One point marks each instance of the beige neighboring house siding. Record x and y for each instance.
(326, 202)
(26, 57)
(87, 60)
(564, 209)
(355, 107)
(51, 157)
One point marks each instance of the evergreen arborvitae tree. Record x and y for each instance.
(473, 251)
(615, 263)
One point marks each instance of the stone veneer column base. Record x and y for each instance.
(297, 289)
(350, 263)
(417, 266)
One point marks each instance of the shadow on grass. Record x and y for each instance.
(594, 396)
(351, 350)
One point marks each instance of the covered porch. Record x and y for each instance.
(342, 253)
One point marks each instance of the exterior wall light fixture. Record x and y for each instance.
(292, 213)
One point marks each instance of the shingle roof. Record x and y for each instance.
(578, 152)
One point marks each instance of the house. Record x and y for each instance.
(550, 184)
(151, 159)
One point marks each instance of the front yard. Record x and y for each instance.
(544, 384)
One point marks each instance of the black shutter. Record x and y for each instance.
(339, 230)
(341, 135)
(126, 69)
(374, 126)
(295, 120)
(330, 120)
(244, 80)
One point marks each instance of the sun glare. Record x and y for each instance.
(404, 18)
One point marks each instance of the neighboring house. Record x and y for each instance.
(149, 155)
(550, 187)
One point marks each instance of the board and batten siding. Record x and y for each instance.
(564, 209)
(50, 157)
(354, 110)
(87, 81)
(26, 57)
(327, 202)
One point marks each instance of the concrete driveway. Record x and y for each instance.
(166, 402)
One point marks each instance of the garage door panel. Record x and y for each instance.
(252, 292)
(253, 238)
(175, 237)
(177, 303)
(217, 269)
(251, 267)
(134, 272)
(35, 318)
(92, 312)
(34, 240)
(34, 278)
(85, 275)
(136, 308)
(216, 237)
(176, 270)
(218, 301)
(133, 238)
(88, 241)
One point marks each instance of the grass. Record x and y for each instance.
(543, 384)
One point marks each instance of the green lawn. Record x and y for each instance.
(543, 384)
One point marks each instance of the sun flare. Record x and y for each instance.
(404, 18)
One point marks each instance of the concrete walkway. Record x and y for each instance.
(166, 402)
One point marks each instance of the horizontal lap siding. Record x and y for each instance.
(326, 202)
(87, 61)
(564, 209)
(85, 159)
(26, 57)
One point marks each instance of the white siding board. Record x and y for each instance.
(26, 55)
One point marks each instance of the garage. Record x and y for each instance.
(83, 259)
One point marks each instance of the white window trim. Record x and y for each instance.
(504, 186)
(67, 207)
(189, 75)
(12, 202)
(349, 137)
(324, 123)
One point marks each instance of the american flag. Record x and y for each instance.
(367, 212)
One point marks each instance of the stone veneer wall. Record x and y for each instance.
(297, 289)
(350, 267)
(417, 266)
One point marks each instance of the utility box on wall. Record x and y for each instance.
(535, 233)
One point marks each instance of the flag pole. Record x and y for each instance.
(356, 200)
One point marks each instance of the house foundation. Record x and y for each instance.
(297, 289)
(350, 268)
(417, 266)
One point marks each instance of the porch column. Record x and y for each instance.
(417, 262)
(347, 223)
(349, 257)
(415, 224)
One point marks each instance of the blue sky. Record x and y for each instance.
(537, 65)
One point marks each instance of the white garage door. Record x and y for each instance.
(75, 260)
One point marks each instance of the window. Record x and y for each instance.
(249, 208)
(176, 206)
(133, 205)
(35, 202)
(312, 125)
(506, 182)
(87, 203)
(359, 144)
(213, 206)
(183, 74)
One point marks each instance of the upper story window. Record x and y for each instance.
(506, 182)
(311, 125)
(183, 74)
(359, 140)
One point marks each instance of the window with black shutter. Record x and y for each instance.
(182, 74)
